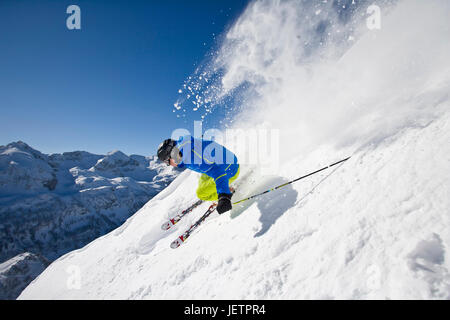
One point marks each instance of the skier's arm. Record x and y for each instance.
(222, 184)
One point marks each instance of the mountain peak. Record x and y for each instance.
(117, 154)
(20, 145)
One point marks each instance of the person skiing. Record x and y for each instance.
(218, 167)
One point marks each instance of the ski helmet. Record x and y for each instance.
(164, 150)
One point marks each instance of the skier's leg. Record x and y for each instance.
(206, 188)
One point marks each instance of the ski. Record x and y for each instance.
(179, 241)
(171, 222)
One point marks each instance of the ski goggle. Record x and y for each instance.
(173, 154)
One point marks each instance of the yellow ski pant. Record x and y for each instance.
(206, 189)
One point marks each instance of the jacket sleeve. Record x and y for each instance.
(222, 184)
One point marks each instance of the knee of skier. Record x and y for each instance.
(200, 195)
(206, 194)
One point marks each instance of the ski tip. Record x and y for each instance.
(166, 225)
(176, 243)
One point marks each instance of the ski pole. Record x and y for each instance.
(285, 184)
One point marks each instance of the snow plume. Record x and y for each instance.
(262, 46)
(315, 71)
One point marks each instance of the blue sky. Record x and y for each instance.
(110, 85)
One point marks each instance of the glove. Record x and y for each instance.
(224, 204)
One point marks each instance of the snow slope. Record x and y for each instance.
(375, 227)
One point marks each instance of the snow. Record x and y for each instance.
(374, 227)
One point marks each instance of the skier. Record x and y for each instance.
(218, 167)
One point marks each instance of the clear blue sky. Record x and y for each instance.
(110, 85)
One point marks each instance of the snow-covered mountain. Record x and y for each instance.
(18, 272)
(375, 227)
(53, 204)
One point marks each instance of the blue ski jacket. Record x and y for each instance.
(210, 158)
